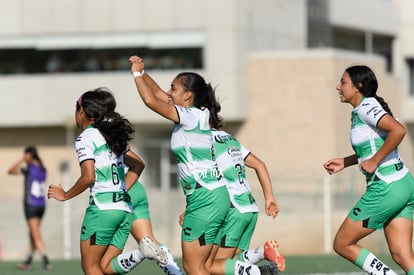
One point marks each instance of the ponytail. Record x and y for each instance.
(364, 79)
(204, 95)
(384, 104)
(116, 130)
(214, 108)
(99, 106)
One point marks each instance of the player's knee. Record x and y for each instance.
(400, 258)
(338, 246)
(187, 266)
(193, 267)
(89, 268)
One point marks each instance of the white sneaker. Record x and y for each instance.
(151, 251)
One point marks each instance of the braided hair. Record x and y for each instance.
(364, 79)
(204, 95)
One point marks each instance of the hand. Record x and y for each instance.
(368, 166)
(181, 219)
(56, 192)
(334, 165)
(271, 208)
(137, 64)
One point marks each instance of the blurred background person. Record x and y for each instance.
(34, 202)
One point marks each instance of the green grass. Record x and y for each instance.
(321, 264)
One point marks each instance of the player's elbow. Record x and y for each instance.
(150, 102)
(402, 131)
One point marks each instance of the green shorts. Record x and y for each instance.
(139, 202)
(382, 202)
(204, 215)
(106, 227)
(237, 230)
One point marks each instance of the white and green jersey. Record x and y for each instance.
(108, 190)
(230, 155)
(367, 139)
(192, 146)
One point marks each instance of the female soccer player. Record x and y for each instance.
(235, 236)
(103, 154)
(389, 197)
(192, 106)
(141, 228)
(34, 202)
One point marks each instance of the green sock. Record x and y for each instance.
(229, 267)
(371, 264)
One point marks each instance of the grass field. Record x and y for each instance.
(325, 264)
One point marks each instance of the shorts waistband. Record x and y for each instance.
(110, 197)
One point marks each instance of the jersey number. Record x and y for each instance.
(115, 173)
(239, 169)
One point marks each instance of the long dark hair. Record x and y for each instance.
(99, 105)
(204, 95)
(364, 79)
(32, 150)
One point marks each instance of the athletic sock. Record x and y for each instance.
(252, 256)
(171, 268)
(235, 267)
(127, 261)
(46, 263)
(29, 259)
(371, 264)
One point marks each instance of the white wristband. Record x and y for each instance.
(136, 74)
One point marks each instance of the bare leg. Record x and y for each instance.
(216, 262)
(398, 233)
(345, 244)
(91, 256)
(36, 237)
(195, 257)
(142, 228)
(110, 253)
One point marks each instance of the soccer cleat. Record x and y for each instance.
(272, 254)
(26, 265)
(151, 251)
(46, 264)
(269, 269)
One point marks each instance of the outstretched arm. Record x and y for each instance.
(335, 165)
(152, 99)
(155, 88)
(15, 169)
(85, 180)
(271, 206)
(135, 167)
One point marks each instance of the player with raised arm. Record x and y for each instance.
(192, 106)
